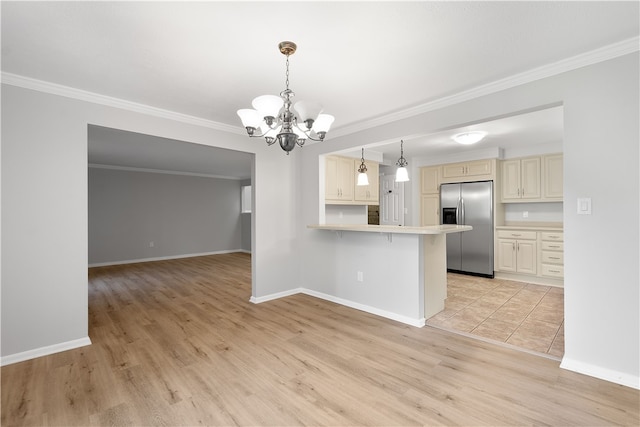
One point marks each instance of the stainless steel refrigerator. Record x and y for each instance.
(469, 203)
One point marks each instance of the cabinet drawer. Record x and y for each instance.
(552, 236)
(553, 257)
(516, 234)
(552, 246)
(552, 270)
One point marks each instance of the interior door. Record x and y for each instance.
(391, 201)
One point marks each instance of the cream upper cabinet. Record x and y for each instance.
(467, 169)
(430, 180)
(552, 176)
(368, 193)
(521, 179)
(430, 209)
(430, 195)
(339, 178)
(532, 179)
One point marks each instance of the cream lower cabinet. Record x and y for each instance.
(552, 254)
(517, 251)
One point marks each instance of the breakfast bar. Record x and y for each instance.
(404, 264)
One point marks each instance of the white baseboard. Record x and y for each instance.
(601, 373)
(44, 351)
(258, 300)
(419, 323)
(536, 280)
(164, 258)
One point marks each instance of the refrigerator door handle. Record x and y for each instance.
(463, 222)
(458, 212)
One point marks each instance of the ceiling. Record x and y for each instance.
(362, 60)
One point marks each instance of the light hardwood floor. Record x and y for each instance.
(179, 343)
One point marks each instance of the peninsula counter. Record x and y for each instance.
(407, 268)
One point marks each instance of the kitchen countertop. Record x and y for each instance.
(536, 226)
(432, 229)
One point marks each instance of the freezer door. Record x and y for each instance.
(477, 211)
(450, 199)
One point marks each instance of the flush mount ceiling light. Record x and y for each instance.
(401, 173)
(468, 138)
(279, 121)
(363, 179)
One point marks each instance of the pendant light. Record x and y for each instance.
(363, 179)
(401, 173)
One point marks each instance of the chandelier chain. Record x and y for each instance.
(287, 81)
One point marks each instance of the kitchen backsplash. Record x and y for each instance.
(533, 212)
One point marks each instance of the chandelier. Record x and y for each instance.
(278, 121)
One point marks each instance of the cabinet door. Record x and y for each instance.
(430, 210)
(345, 178)
(552, 177)
(526, 256)
(368, 193)
(430, 180)
(507, 255)
(479, 167)
(331, 190)
(510, 179)
(453, 170)
(530, 178)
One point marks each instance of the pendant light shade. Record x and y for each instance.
(402, 175)
(363, 179)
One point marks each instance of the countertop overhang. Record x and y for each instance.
(432, 229)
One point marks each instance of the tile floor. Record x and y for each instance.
(521, 314)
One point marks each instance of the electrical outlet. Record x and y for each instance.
(152, 244)
(525, 214)
(360, 276)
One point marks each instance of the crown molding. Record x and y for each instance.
(96, 98)
(605, 53)
(162, 171)
(602, 54)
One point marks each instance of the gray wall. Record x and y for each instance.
(180, 214)
(245, 221)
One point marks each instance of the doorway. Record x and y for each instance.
(153, 198)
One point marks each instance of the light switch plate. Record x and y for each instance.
(584, 206)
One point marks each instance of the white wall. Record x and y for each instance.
(535, 212)
(600, 161)
(44, 213)
(135, 215)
